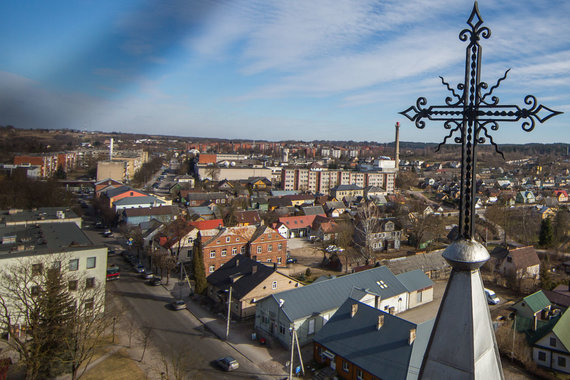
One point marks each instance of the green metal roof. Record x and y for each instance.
(537, 301)
(562, 329)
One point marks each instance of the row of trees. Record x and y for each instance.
(18, 191)
(54, 319)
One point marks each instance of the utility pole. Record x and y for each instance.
(292, 351)
(229, 313)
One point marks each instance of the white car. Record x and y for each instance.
(492, 298)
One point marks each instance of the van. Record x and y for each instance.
(492, 298)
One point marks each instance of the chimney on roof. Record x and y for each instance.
(274, 266)
(380, 322)
(412, 336)
(253, 268)
(353, 310)
(237, 262)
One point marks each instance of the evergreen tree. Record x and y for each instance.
(546, 235)
(199, 271)
(54, 327)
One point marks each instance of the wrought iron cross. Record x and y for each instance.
(472, 113)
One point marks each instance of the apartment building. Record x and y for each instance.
(322, 181)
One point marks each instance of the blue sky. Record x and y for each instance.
(272, 70)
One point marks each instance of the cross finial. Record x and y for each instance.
(470, 113)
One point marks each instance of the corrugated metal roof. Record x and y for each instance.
(414, 280)
(383, 352)
(138, 200)
(537, 301)
(329, 294)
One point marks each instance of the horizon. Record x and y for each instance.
(252, 70)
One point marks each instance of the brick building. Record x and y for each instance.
(220, 245)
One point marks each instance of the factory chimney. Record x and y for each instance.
(111, 150)
(397, 146)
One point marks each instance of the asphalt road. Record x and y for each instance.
(176, 333)
(173, 333)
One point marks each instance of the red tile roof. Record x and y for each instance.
(207, 224)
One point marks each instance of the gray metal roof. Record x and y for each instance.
(330, 294)
(138, 200)
(384, 352)
(414, 280)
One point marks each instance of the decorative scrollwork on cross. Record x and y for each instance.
(471, 114)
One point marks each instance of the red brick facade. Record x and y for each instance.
(262, 243)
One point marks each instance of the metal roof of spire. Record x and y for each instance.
(462, 344)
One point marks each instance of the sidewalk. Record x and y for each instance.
(271, 360)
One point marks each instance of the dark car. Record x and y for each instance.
(155, 281)
(178, 305)
(227, 363)
(291, 260)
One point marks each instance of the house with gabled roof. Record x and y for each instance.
(267, 246)
(551, 348)
(362, 342)
(219, 245)
(295, 226)
(526, 196)
(250, 281)
(532, 312)
(308, 309)
(247, 218)
(137, 202)
(561, 195)
(313, 210)
(520, 263)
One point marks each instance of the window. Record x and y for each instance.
(259, 249)
(419, 297)
(562, 361)
(237, 238)
(72, 285)
(224, 252)
(270, 248)
(274, 285)
(269, 236)
(281, 329)
(268, 260)
(279, 246)
(242, 250)
(541, 356)
(89, 303)
(345, 366)
(190, 240)
(552, 342)
(212, 268)
(234, 251)
(91, 262)
(37, 269)
(228, 239)
(73, 264)
(212, 254)
(359, 374)
(279, 260)
(56, 265)
(90, 282)
(311, 329)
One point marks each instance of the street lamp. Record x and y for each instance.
(229, 313)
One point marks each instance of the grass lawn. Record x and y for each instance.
(117, 366)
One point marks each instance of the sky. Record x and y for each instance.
(273, 70)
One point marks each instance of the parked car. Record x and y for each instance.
(492, 298)
(331, 248)
(139, 268)
(291, 260)
(147, 275)
(178, 305)
(227, 363)
(155, 281)
(107, 233)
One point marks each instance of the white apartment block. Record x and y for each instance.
(321, 181)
